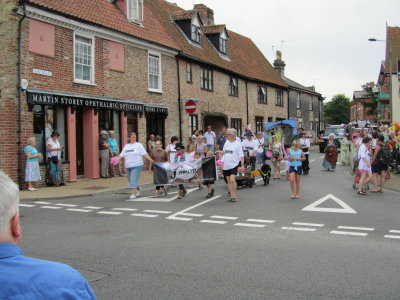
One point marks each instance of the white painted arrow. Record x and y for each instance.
(346, 209)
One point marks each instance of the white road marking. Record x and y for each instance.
(346, 209)
(157, 211)
(144, 215)
(192, 207)
(26, 205)
(66, 205)
(78, 209)
(261, 221)
(394, 231)
(389, 236)
(192, 215)
(42, 202)
(93, 207)
(356, 228)
(298, 228)
(323, 156)
(224, 217)
(312, 160)
(125, 209)
(51, 207)
(249, 225)
(180, 219)
(349, 233)
(109, 212)
(213, 221)
(257, 180)
(308, 224)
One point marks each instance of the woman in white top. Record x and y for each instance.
(54, 174)
(364, 165)
(232, 156)
(171, 149)
(133, 154)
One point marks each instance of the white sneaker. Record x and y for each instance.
(32, 189)
(132, 197)
(138, 192)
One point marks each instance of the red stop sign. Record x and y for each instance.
(190, 106)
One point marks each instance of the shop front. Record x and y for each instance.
(155, 120)
(79, 119)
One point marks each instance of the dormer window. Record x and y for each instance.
(195, 33)
(135, 10)
(223, 44)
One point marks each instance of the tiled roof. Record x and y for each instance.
(212, 29)
(297, 85)
(245, 58)
(108, 15)
(393, 44)
(183, 15)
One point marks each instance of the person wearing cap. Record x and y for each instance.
(180, 157)
(54, 174)
(250, 147)
(104, 152)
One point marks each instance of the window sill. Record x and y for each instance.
(203, 89)
(237, 96)
(85, 83)
(262, 102)
(155, 91)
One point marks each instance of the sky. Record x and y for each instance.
(323, 42)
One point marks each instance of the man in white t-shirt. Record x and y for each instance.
(250, 147)
(305, 147)
(210, 137)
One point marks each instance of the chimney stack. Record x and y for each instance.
(206, 14)
(279, 64)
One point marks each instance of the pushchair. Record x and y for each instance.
(247, 177)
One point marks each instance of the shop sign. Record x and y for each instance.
(155, 109)
(64, 100)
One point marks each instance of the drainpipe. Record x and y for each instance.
(179, 98)
(19, 133)
(247, 105)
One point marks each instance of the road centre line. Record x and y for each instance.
(394, 231)
(249, 225)
(93, 207)
(389, 236)
(102, 212)
(51, 207)
(157, 211)
(298, 228)
(261, 221)
(26, 205)
(308, 224)
(144, 215)
(192, 207)
(66, 205)
(224, 217)
(213, 221)
(356, 228)
(79, 210)
(349, 233)
(192, 215)
(42, 202)
(125, 209)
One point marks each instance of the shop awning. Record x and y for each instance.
(57, 98)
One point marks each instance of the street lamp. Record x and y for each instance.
(375, 40)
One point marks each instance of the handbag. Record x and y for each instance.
(268, 153)
(54, 159)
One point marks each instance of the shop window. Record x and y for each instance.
(259, 124)
(237, 124)
(106, 120)
(46, 119)
(132, 123)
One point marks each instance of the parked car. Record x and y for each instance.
(338, 130)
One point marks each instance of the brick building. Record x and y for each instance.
(305, 104)
(126, 65)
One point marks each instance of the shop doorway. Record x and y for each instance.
(132, 123)
(155, 124)
(79, 142)
(216, 120)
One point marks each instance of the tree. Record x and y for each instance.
(337, 111)
(371, 103)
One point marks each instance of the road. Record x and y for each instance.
(265, 246)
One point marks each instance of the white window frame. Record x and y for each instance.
(92, 53)
(223, 44)
(154, 54)
(233, 86)
(138, 18)
(189, 73)
(262, 90)
(195, 33)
